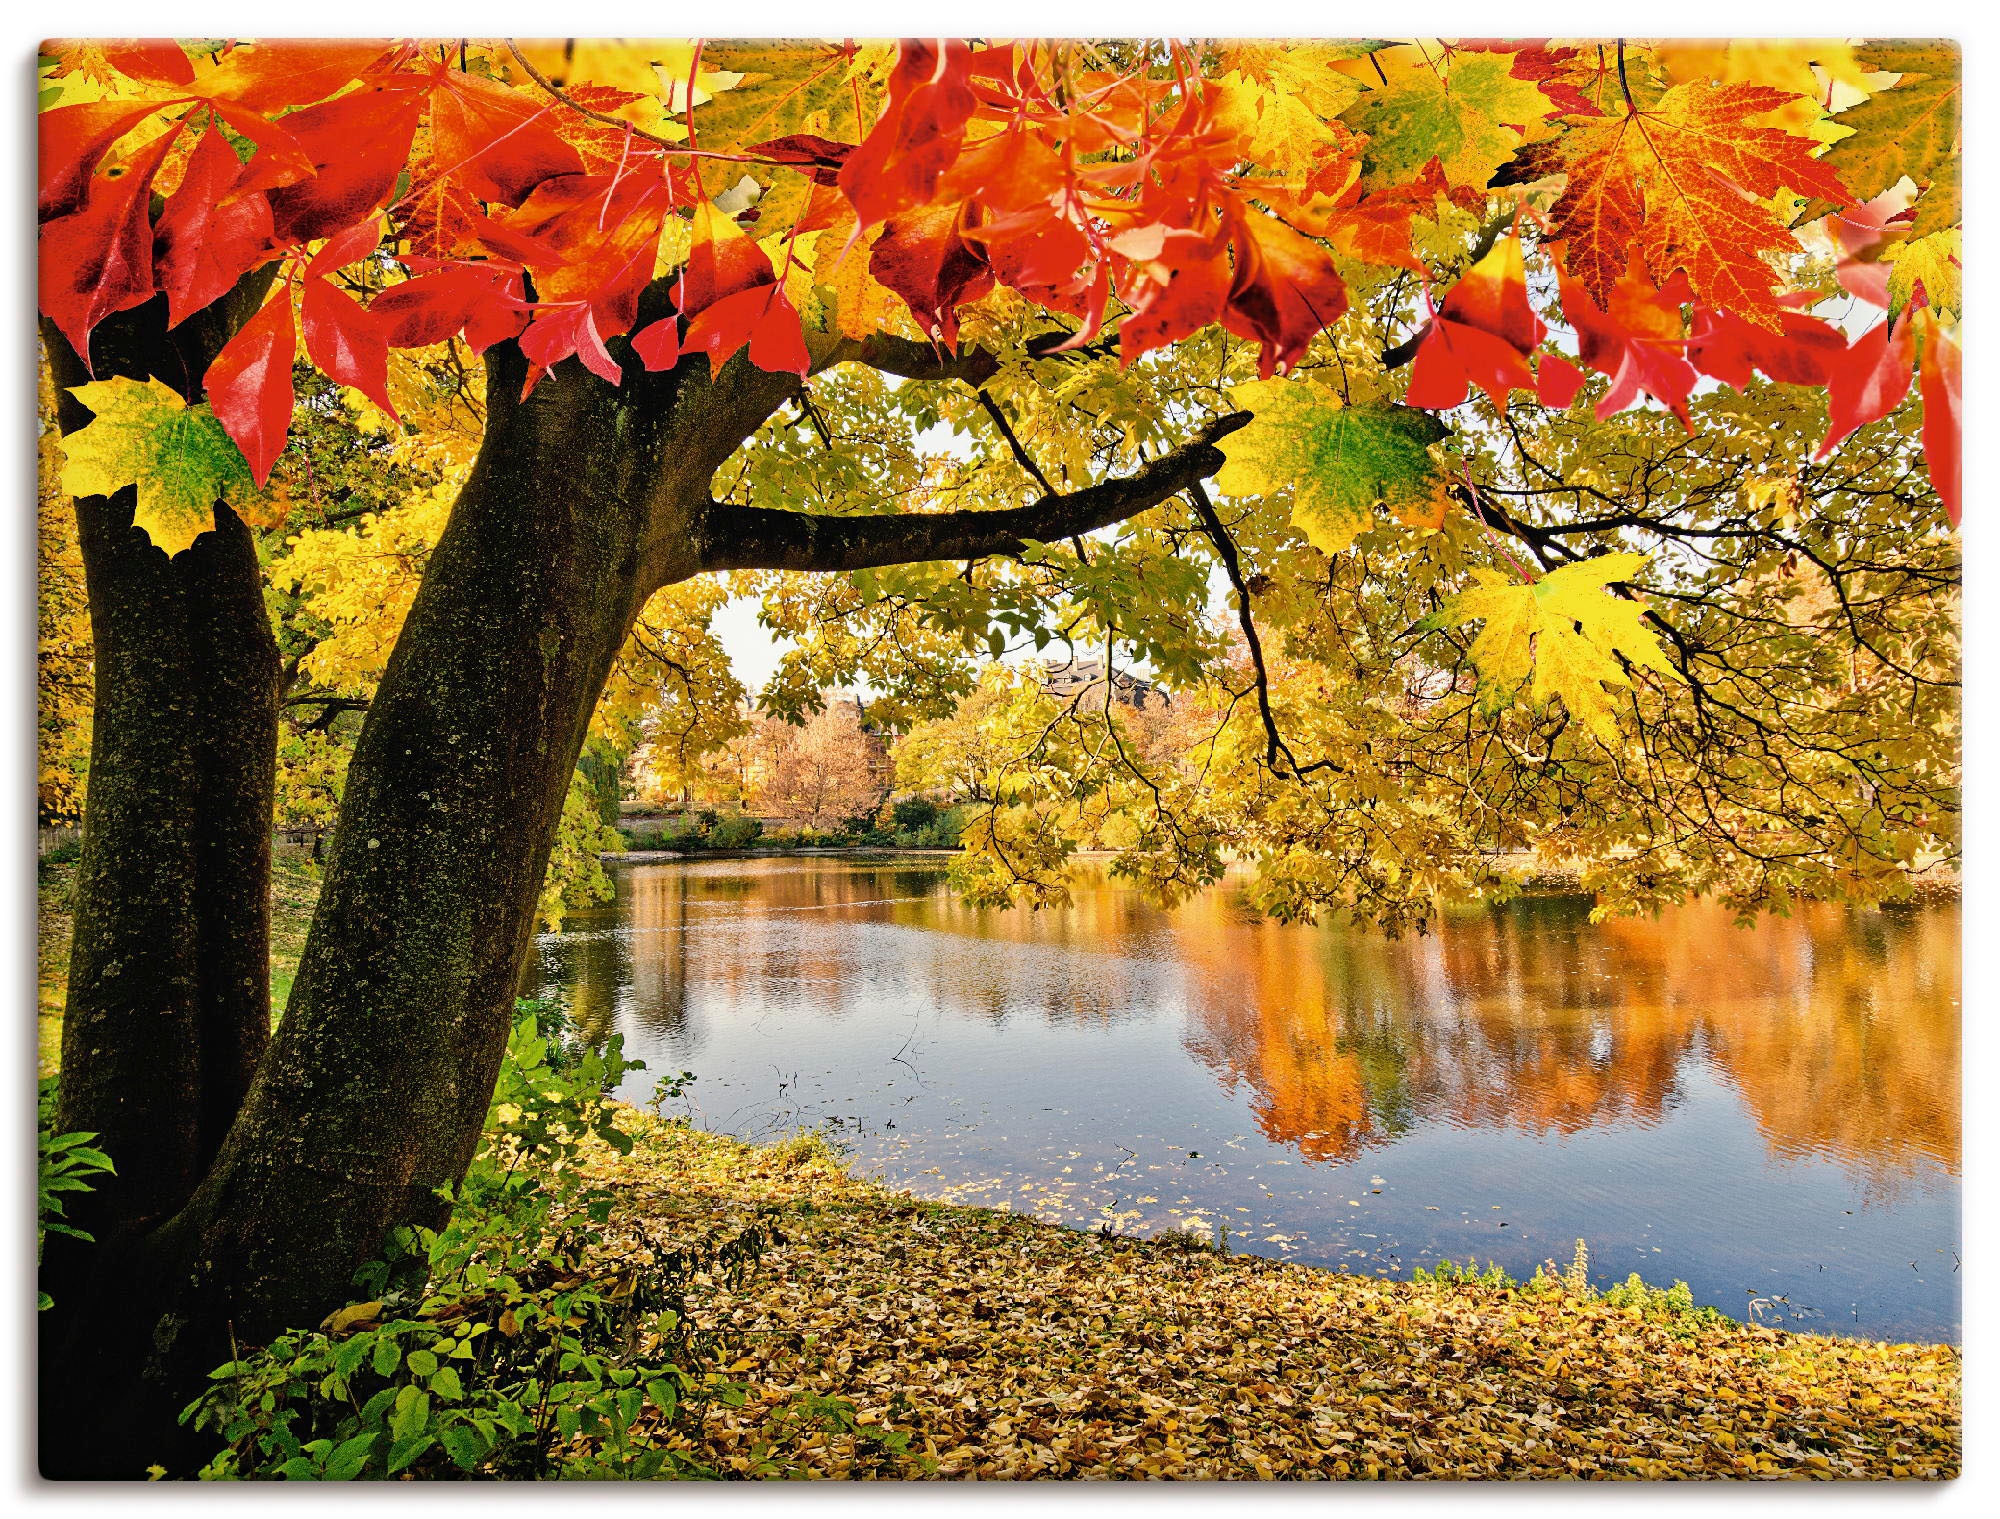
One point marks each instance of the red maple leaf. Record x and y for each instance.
(481, 300)
(1640, 342)
(1938, 382)
(923, 258)
(98, 258)
(1284, 291)
(919, 133)
(1482, 334)
(348, 342)
(250, 384)
(1867, 381)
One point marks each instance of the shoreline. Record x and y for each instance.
(1530, 877)
(1005, 1347)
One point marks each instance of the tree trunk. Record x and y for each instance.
(374, 1090)
(169, 997)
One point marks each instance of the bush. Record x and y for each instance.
(64, 1163)
(525, 1339)
(733, 833)
(913, 813)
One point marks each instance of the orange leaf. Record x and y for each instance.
(918, 135)
(1285, 289)
(1684, 183)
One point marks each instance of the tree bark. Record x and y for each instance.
(169, 999)
(374, 1090)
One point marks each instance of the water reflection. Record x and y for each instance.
(1839, 1029)
(1676, 1064)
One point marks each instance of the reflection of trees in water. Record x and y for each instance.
(782, 931)
(1839, 1029)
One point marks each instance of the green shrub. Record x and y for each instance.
(524, 1339)
(910, 814)
(734, 833)
(1673, 1305)
(64, 1163)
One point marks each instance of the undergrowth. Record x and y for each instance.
(1673, 1306)
(525, 1338)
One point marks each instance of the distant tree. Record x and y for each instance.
(820, 774)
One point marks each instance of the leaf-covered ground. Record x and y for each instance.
(1005, 1348)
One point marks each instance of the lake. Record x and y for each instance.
(1770, 1114)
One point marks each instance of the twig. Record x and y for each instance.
(1013, 443)
(1225, 546)
(620, 122)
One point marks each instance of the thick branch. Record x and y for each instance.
(911, 359)
(757, 538)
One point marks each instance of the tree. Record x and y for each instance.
(717, 316)
(819, 774)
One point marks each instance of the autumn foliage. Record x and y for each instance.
(405, 193)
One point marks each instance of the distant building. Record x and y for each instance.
(1086, 675)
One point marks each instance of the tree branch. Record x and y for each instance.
(911, 359)
(758, 538)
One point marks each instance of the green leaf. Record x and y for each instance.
(179, 457)
(403, 1452)
(346, 1462)
(387, 1357)
(445, 1383)
(463, 1445)
(413, 1411)
(373, 1410)
(1340, 462)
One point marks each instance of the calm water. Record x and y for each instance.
(1771, 1114)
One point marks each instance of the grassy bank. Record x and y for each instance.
(1006, 1348)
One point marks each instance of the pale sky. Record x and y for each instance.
(753, 650)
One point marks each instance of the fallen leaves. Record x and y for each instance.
(1003, 1348)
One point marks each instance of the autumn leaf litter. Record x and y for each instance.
(988, 1345)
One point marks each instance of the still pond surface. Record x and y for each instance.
(1771, 1114)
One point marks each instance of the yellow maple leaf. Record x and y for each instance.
(1933, 262)
(1464, 109)
(143, 434)
(862, 303)
(1283, 100)
(1565, 630)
